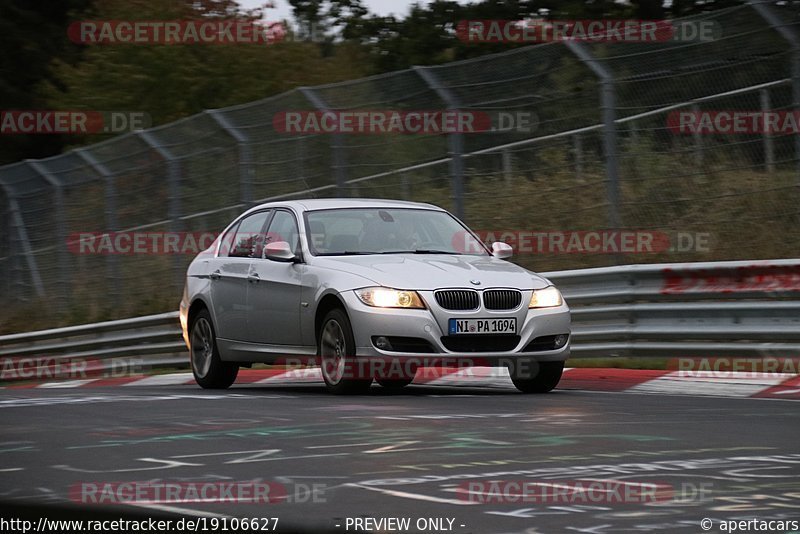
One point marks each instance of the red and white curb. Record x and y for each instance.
(704, 383)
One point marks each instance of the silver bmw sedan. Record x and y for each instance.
(369, 290)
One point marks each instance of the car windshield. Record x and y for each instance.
(353, 231)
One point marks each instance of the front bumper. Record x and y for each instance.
(431, 325)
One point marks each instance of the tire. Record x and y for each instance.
(394, 383)
(209, 371)
(337, 348)
(397, 380)
(545, 380)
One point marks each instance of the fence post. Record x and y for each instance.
(578, 154)
(300, 156)
(405, 186)
(174, 188)
(61, 230)
(337, 144)
(112, 225)
(455, 139)
(9, 260)
(784, 29)
(697, 138)
(508, 166)
(18, 224)
(609, 106)
(769, 147)
(246, 171)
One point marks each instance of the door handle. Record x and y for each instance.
(253, 277)
(215, 275)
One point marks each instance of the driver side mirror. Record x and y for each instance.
(502, 250)
(279, 251)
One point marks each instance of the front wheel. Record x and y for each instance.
(397, 379)
(545, 380)
(394, 383)
(337, 348)
(208, 369)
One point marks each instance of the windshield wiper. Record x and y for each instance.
(433, 251)
(420, 251)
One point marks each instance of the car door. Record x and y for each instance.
(275, 290)
(229, 273)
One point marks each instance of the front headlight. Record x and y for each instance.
(548, 297)
(384, 297)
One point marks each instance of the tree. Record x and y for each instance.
(169, 82)
(32, 35)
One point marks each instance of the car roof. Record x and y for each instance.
(311, 204)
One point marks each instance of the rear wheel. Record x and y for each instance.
(337, 348)
(545, 380)
(208, 369)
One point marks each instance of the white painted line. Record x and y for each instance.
(416, 496)
(697, 383)
(176, 510)
(66, 383)
(312, 374)
(729, 377)
(695, 389)
(162, 380)
(343, 445)
(474, 376)
(705, 386)
(12, 469)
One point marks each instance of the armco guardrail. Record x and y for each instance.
(747, 308)
(152, 340)
(685, 309)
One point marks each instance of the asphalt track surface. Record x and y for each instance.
(411, 454)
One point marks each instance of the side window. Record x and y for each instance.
(284, 228)
(226, 241)
(249, 240)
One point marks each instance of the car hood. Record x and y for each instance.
(428, 272)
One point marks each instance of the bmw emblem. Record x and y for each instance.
(475, 282)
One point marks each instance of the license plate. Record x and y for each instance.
(483, 326)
